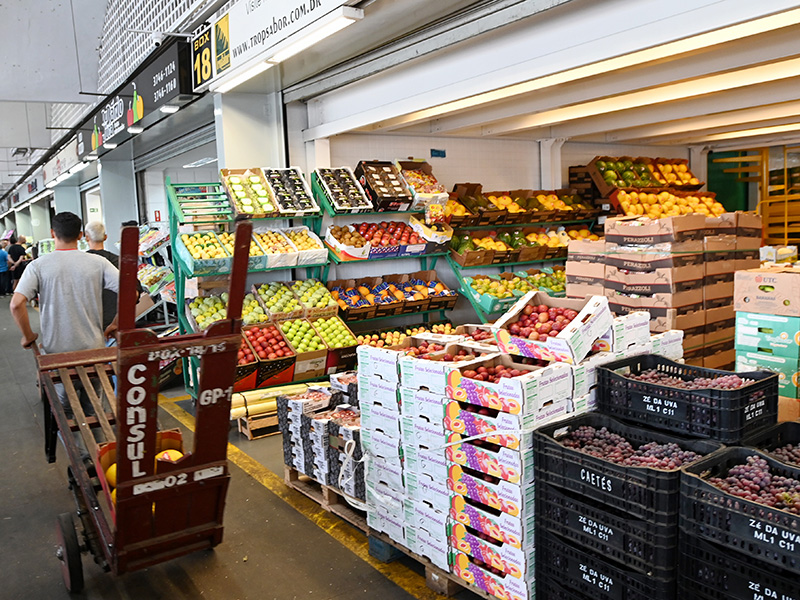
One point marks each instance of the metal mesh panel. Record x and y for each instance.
(65, 115)
(121, 51)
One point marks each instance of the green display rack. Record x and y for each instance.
(207, 205)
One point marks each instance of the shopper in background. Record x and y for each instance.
(17, 259)
(5, 274)
(96, 237)
(70, 285)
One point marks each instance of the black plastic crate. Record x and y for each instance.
(641, 492)
(711, 572)
(725, 415)
(550, 590)
(594, 576)
(639, 544)
(762, 533)
(776, 437)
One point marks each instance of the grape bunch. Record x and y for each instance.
(753, 481)
(613, 447)
(789, 453)
(724, 382)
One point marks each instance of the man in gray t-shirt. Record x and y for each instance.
(70, 284)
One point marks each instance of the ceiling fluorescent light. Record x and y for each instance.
(200, 163)
(752, 76)
(169, 109)
(51, 184)
(78, 168)
(109, 145)
(732, 135)
(134, 129)
(325, 27)
(228, 85)
(690, 44)
(91, 157)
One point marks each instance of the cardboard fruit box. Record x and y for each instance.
(352, 313)
(431, 373)
(208, 266)
(773, 334)
(466, 192)
(383, 185)
(572, 344)
(770, 290)
(585, 250)
(642, 230)
(345, 252)
(309, 364)
(664, 280)
(520, 394)
(517, 531)
(657, 256)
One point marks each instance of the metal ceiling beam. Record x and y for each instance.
(610, 127)
(716, 60)
(577, 34)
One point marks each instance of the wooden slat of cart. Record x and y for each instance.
(107, 387)
(97, 403)
(77, 411)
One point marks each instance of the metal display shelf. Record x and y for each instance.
(421, 312)
(539, 224)
(457, 267)
(423, 258)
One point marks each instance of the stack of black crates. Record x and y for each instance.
(606, 531)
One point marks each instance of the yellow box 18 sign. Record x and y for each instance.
(202, 70)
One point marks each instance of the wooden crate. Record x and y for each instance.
(259, 426)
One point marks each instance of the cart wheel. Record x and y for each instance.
(69, 553)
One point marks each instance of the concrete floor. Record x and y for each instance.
(271, 548)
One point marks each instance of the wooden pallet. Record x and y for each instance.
(327, 497)
(442, 582)
(260, 426)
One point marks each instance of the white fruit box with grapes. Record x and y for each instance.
(430, 372)
(513, 466)
(566, 333)
(626, 330)
(419, 434)
(375, 416)
(426, 458)
(423, 404)
(424, 487)
(376, 390)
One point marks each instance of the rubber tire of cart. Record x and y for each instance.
(69, 553)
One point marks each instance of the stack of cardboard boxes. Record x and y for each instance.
(767, 304)
(467, 505)
(679, 269)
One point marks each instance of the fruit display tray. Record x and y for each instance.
(640, 492)
(594, 576)
(291, 192)
(766, 534)
(249, 192)
(711, 572)
(724, 415)
(640, 544)
(340, 188)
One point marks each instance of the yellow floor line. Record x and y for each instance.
(162, 399)
(338, 529)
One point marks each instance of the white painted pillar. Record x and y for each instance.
(68, 199)
(318, 154)
(698, 161)
(249, 130)
(24, 224)
(10, 221)
(117, 191)
(40, 220)
(550, 163)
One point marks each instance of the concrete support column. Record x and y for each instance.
(68, 199)
(10, 221)
(550, 163)
(318, 154)
(698, 161)
(40, 220)
(24, 224)
(118, 191)
(250, 130)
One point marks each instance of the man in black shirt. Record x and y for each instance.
(96, 235)
(17, 259)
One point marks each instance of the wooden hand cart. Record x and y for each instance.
(162, 509)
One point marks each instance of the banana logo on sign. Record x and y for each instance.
(222, 44)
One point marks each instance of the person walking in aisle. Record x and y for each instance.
(69, 284)
(96, 236)
(5, 274)
(17, 259)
